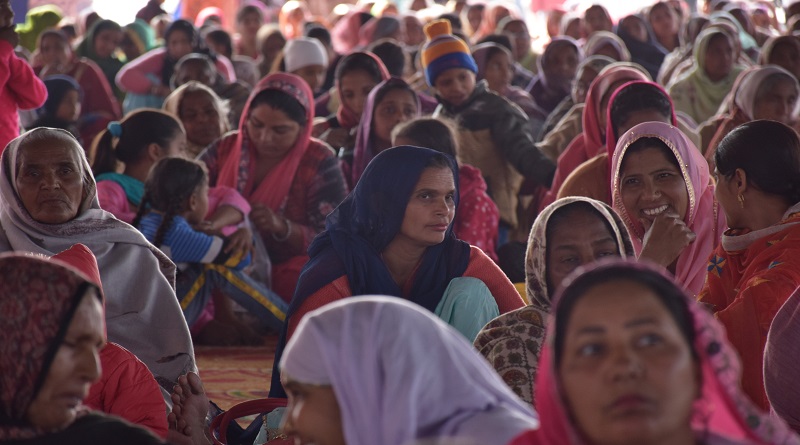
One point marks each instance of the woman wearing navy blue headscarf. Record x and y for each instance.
(393, 235)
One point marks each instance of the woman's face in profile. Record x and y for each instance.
(75, 366)
(49, 180)
(627, 373)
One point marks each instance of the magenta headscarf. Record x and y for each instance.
(364, 152)
(722, 409)
(589, 143)
(702, 217)
(429, 383)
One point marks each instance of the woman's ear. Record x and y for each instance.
(154, 152)
(739, 181)
(193, 201)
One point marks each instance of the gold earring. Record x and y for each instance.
(741, 200)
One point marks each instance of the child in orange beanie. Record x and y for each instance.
(494, 134)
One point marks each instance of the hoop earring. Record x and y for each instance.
(741, 200)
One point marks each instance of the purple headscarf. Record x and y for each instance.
(428, 383)
(364, 151)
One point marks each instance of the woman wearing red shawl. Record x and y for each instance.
(589, 144)
(663, 191)
(756, 267)
(291, 179)
(53, 331)
(631, 359)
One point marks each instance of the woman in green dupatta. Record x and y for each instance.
(138, 38)
(101, 46)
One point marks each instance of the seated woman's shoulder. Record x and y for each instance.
(96, 429)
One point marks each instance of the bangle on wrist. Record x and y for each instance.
(285, 237)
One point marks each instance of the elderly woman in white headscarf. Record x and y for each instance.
(48, 202)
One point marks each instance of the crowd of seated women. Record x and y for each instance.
(458, 229)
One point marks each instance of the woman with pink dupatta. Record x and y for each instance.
(589, 144)
(632, 359)
(662, 189)
(291, 179)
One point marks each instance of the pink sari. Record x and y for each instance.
(273, 190)
(703, 216)
(721, 413)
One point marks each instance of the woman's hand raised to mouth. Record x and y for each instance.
(665, 238)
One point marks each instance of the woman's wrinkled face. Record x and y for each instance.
(54, 51)
(75, 367)
(786, 56)
(396, 106)
(355, 86)
(627, 373)
(50, 180)
(650, 185)
(567, 248)
(69, 110)
(178, 45)
(106, 42)
(430, 210)
(719, 58)
(312, 415)
(499, 72)
(778, 102)
(200, 118)
(272, 132)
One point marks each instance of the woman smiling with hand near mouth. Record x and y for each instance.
(662, 190)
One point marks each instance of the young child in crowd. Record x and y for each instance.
(495, 136)
(62, 107)
(20, 89)
(172, 216)
(476, 217)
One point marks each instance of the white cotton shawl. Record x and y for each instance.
(142, 311)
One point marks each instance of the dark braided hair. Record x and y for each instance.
(168, 188)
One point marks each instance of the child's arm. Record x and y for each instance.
(27, 89)
(510, 133)
(191, 246)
